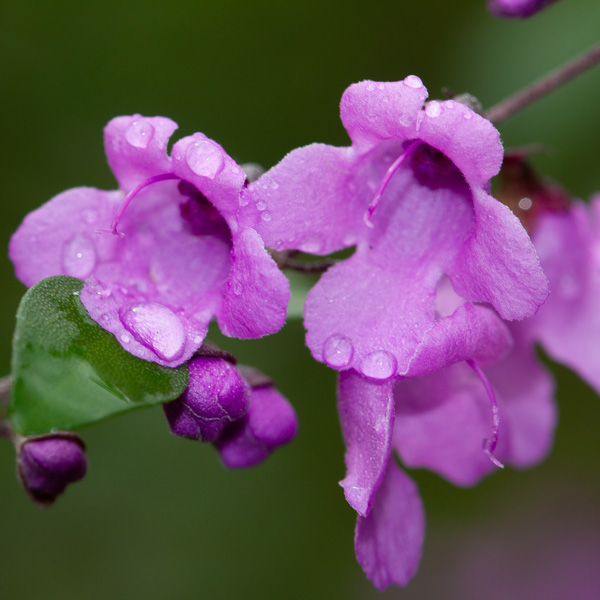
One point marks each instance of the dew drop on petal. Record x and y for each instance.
(156, 327)
(139, 133)
(79, 257)
(243, 199)
(467, 114)
(266, 216)
(337, 351)
(370, 87)
(378, 365)
(205, 158)
(413, 81)
(433, 109)
(261, 205)
(125, 338)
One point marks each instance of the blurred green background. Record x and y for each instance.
(159, 517)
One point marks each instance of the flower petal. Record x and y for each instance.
(205, 164)
(136, 148)
(366, 410)
(498, 264)
(471, 142)
(526, 390)
(60, 237)
(307, 201)
(389, 541)
(568, 325)
(256, 294)
(442, 420)
(375, 111)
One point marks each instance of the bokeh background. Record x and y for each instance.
(159, 517)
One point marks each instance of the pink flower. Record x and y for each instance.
(432, 245)
(181, 256)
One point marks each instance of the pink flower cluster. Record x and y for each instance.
(431, 322)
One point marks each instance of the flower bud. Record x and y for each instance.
(46, 465)
(216, 396)
(270, 423)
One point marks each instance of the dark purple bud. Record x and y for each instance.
(216, 396)
(528, 194)
(270, 423)
(519, 9)
(46, 465)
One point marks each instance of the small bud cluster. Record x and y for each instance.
(237, 409)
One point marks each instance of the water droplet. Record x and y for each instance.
(125, 338)
(312, 244)
(139, 133)
(243, 199)
(79, 257)
(197, 339)
(266, 216)
(468, 114)
(274, 185)
(156, 327)
(450, 104)
(205, 158)
(90, 216)
(525, 203)
(338, 351)
(433, 109)
(370, 86)
(261, 205)
(413, 81)
(378, 365)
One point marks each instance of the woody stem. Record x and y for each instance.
(542, 87)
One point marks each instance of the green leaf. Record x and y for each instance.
(67, 371)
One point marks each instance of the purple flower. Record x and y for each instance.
(517, 8)
(181, 256)
(46, 465)
(217, 395)
(270, 423)
(568, 325)
(411, 194)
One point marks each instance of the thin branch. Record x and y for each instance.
(287, 260)
(544, 86)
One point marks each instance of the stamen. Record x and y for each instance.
(133, 193)
(386, 179)
(489, 445)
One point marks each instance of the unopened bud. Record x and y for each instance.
(46, 465)
(270, 423)
(216, 396)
